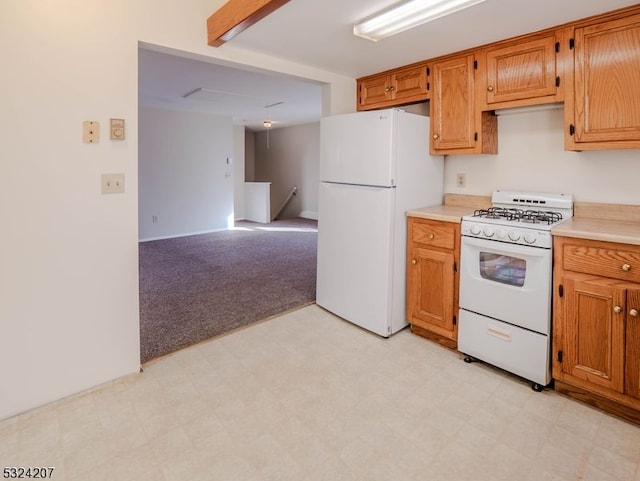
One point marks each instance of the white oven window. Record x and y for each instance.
(503, 268)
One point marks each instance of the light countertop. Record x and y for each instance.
(446, 213)
(599, 229)
(454, 207)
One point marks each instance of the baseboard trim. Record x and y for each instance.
(308, 214)
(597, 401)
(175, 236)
(432, 336)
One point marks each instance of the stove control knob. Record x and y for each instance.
(488, 231)
(514, 235)
(475, 230)
(501, 234)
(529, 238)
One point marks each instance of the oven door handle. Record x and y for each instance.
(505, 248)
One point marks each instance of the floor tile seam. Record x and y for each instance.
(610, 472)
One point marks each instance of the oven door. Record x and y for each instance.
(508, 282)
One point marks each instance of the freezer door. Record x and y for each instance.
(355, 238)
(358, 148)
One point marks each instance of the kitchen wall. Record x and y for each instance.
(249, 156)
(68, 254)
(290, 159)
(239, 163)
(531, 158)
(185, 183)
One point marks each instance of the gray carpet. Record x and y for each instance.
(197, 287)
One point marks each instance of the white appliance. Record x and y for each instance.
(374, 166)
(505, 282)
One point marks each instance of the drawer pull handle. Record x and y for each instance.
(626, 267)
(633, 312)
(499, 333)
(617, 309)
(431, 235)
(414, 262)
(489, 88)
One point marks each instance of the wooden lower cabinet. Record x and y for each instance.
(433, 253)
(596, 331)
(596, 325)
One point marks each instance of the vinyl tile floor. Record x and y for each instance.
(308, 396)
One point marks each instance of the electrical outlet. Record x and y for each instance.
(90, 132)
(154, 219)
(117, 129)
(112, 183)
(461, 180)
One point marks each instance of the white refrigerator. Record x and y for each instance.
(374, 166)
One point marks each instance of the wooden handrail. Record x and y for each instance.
(236, 16)
(291, 195)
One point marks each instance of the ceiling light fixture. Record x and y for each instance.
(406, 15)
(268, 123)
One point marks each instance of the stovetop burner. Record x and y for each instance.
(519, 215)
(519, 218)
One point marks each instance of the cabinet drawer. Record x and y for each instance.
(435, 234)
(615, 263)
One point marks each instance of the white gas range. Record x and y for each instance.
(505, 282)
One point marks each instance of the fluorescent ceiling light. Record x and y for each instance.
(406, 15)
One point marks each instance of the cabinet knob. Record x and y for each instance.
(626, 267)
(490, 88)
(414, 262)
(435, 136)
(431, 235)
(633, 312)
(617, 309)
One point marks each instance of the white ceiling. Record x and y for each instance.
(318, 33)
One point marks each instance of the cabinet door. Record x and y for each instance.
(410, 84)
(632, 360)
(431, 291)
(374, 90)
(607, 69)
(453, 105)
(523, 71)
(594, 331)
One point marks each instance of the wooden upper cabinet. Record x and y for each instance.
(524, 73)
(603, 111)
(457, 126)
(374, 91)
(397, 87)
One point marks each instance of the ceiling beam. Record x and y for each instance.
(235, 16)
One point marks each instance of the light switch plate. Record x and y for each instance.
(112, 183)
(117, 129)
(90, 132)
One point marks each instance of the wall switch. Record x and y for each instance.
(461, 180)
(90, 132)
(112, 183)
(117, 129)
